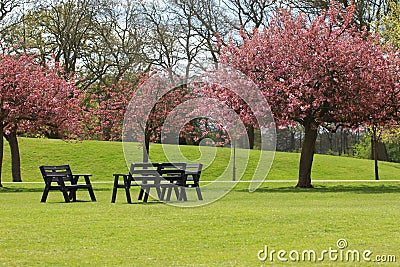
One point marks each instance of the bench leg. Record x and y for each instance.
(182, 194)
(45, 194)
(91, 193)
(176, 189)
(146, 194)
(158, 192)
(199, 195)
(169, 194)
(72, 195)
(114, 194)
(162, 193)
(65, 194)
(127, 187)
(128, 195)
(140, 197)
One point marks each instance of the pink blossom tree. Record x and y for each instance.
(34, 99)
(105, 112)
(155, 97)
(319, 71)
(141, 107)
(218, 89)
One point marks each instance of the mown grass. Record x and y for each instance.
(228, 232)
(102, 159)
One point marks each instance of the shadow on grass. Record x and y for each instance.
(359, 189)
(67, 203)
(19, 189)
(138, 202)
(40, 189)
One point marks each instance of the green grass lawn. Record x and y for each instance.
(228, 232)
(102, 159)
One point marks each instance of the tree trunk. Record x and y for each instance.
(1, 150)
(250, 134)
(15, 156)
(307, 156)
(374, 149)
(146, 148)
(376, 169)
(292, 143)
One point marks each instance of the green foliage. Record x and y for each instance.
(362, 150)
(391, 25)
(393, 150)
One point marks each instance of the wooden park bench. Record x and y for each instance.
(161, 176)
(191, 180)
(66, 182)
(174, 174)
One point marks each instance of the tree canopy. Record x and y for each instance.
(320, 70)
(36, 99)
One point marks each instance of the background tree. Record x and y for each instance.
(117, 49)
(7, 6)
(250, 14)
(317, 71)
(391, 25)
(367, 13)
(60, 28)
(210, 23)
(105, 115)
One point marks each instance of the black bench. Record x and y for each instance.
(161, 176)
(191, 180)
(66, 182)
(174, 173)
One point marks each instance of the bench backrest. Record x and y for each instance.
(172, 171)
(54, 173)
(191, 168)
(144, 171)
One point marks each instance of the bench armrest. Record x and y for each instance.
(85, 176)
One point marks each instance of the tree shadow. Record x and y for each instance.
(358, 189)
(20, 189)
(40, 189)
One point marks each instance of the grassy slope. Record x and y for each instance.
(228, 232)
(102, 159)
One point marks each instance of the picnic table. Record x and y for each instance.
(164, 177)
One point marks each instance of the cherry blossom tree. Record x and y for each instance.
(34, 99)
(317, 71)
(106, 110)
(140, 106)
